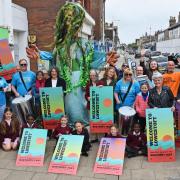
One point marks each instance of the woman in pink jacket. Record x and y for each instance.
(141, 104)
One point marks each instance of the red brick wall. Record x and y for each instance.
(42, 14)
(96, 11)
(41, 18)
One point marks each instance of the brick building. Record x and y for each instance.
(42, 14)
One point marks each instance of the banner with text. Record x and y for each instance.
(110, 157)
(160, 135)
(7, 66)
(66, 155)
(52, 105)
(101, 109)
(32, 147)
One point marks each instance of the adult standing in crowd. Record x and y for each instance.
(121, 71)
(92, 82)
(22, 81)
(141, 78)
(126, 90)
(160, 96)
(109, 78)
(172, 78)
(139, 71)
(153, 67)
(54, 80)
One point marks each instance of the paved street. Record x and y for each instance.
(134, 169)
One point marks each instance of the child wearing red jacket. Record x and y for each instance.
(136, 142)
(62, 128)
(141, 104)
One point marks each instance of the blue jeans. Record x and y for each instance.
(2, 108)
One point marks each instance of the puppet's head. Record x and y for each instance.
(68, 22)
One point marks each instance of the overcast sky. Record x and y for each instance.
(135, 17)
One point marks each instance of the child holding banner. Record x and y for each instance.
(141, 104)
(9, 131)
(113, 132)
(81, 130)
(136, 142)
(62, 128)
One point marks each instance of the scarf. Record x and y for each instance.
(40, 84)
(145, 95)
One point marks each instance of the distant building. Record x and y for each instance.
(169, 39)
(146, 41)
(111, 35)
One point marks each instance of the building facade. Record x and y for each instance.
(14, 17)
(42, 15)
(169, 39)
(111, 35)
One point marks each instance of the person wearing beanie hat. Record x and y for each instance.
(160, 96)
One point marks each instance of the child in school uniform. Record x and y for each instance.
(81, 130)
(141, 104)
(113, 132)
(136, 142)
(30, 123)
(62, 128)
(9, 131)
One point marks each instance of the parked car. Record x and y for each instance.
(137, 54)
(147, 53)
(177, 60)
(155, 53)
(166, 54)
(162, 63)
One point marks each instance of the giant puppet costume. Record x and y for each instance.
(74, 57)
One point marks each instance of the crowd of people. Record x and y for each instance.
(156, 91)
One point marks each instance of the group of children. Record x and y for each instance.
(11, 132)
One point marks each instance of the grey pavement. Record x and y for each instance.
(137, 168)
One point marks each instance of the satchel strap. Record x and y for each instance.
(129, 87)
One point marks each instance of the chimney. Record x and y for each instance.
(179, 18)
(172, 21)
